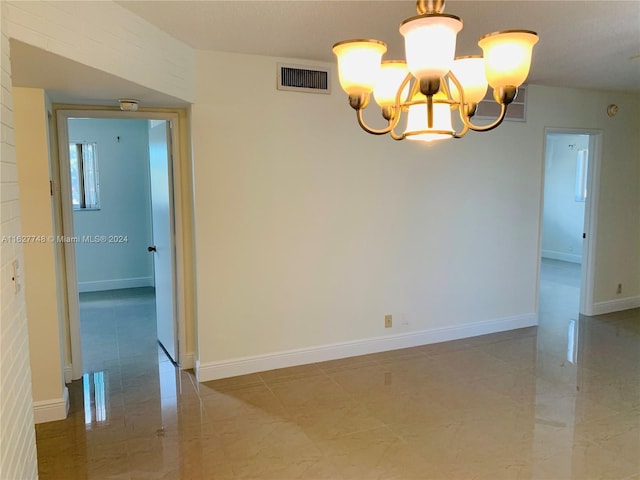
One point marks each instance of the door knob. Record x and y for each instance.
(152, 249)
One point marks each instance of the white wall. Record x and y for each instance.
(125, 206)
(18, 445)
(618, 230)
(563, 216)
(50, 395)
(309, 231)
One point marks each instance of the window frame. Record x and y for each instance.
(87, 177)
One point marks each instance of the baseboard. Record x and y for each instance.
(187, 361)
(565, 257)
(51, 410)
(68, 373)
(241, 366)
(610, 306)
(115, 284)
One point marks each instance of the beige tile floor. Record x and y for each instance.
(559, 401)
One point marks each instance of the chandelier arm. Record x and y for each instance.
(444, 86)
(462, 132)
(374, 131)
(458, 85)
(393, 133)
(466, 119)
(456, 105)
(485, 128)
(399, 105)
(394, 113)
(415, 88)
(395, 136)
(404, 83)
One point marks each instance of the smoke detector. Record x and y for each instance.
(128, 104)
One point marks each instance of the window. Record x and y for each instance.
(84, 176)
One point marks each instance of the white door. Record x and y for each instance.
(163, 233)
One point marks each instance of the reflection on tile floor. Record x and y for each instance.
(560, 401)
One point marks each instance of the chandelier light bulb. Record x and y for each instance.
(507, 57)
(470, 73)
(392, 73)
(430, 44)
(359, 64)
(418, 118)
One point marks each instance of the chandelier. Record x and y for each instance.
(431, 83)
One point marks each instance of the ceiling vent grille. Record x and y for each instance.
(516, 110)
(300, 78)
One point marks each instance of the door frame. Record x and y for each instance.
(590, 222)
(63, 114)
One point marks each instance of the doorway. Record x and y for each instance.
(119, 220)
(569, 218)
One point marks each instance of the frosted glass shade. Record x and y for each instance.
(470, 73)
(430, 44)
(507, 57)
(392, 73)
(359, 64)
(417, 121)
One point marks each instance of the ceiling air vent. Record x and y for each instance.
(299, 78)
(516, 111)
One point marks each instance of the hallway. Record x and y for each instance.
(559, 401)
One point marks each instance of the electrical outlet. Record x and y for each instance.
(388, 321)
(619, 289)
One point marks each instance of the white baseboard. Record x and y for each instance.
(241, 366)
(115, 284)
(187, 361)
(609, 306)
(565, 257)
(51, 410)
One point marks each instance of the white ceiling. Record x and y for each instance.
(584, 44)
(67, 81)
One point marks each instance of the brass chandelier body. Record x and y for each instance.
(430, 91)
